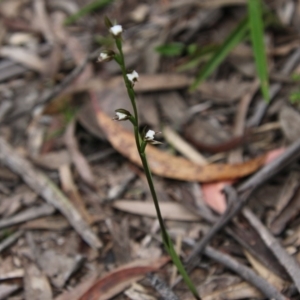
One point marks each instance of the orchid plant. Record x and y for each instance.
(147, 137)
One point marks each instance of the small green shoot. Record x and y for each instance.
(89, 8)
(232, 40)
(295, 77)
(198, 56)
(173, 49)
(257, 39)
(295, 97)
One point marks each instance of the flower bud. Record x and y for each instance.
(106, 55)
(122, 115)
(133, 77)
(149, 137)
(116, 30)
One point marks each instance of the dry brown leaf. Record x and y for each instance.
(167, 165)
(81, 164)
(214, 197)
(290, 123)
(225, 91)
(212, 192)
(48, 190)
(47, 223)
(36, 284)
(24, 57)
(7, 289)
(121, 246)
(76, 48)
(52, 160)
(206, 3)
(237, 291)
(70, 189)
(138, 292)
(117, 280)
(169, 210)
(266, 273)
(183, 147)
(162, 82)
(147, 83)
(79, 290)
(15, 274)
(11, 9)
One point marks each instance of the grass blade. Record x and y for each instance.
(86, 10)
(200, 56)
(231, 41)
(257, 39)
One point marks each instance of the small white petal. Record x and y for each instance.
(121, 116)
(103, 56)
(150, 135)
(116, 30)
(133, 76)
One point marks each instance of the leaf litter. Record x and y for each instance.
(61, 149)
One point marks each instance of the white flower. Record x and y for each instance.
(150, 135)
(106, 55)
(133, 77)
(116, 30)
(103, 56)
(120, 116)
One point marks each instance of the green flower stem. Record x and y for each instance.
(128, 84)
(166, 238)
(130, 93)
(137, 138)
(141, 147)
(155, 200)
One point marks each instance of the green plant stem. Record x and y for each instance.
(166, 238)
(128, 84)
(155, 200)
(141, 147)
(130, 93)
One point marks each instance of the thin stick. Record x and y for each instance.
(246, 273)
(47, 189)
(287, 261)
(262, 105)
(246, 189)
(10, 240)
(50, 95)
(161, 287)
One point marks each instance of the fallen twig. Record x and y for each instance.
(262, 105)
(161, 287)
(47, 189)
(246, 273)
(10, 240)
(286, 260)
(27, 215)
(50, 95)
(245, 190)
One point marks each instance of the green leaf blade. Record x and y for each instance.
(97, 4)
(172, 49)
(231, 41)
(257, 38)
